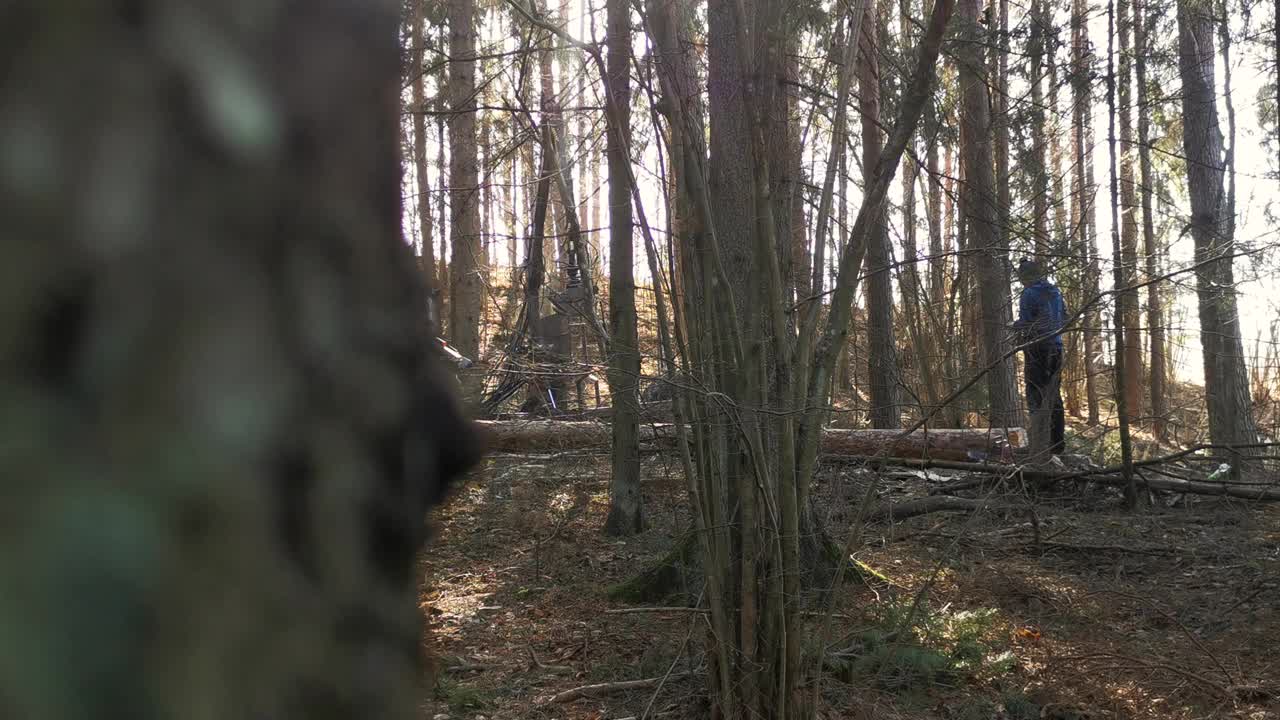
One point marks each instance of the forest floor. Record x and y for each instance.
(1076, 610)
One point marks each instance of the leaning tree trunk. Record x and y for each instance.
(625, 516)
(991, 257)
(224, 420)
(882, 360)
(465, 290)
(1225, 376)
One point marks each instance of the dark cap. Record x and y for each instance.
(1030, 266)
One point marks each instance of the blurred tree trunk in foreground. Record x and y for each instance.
(222, 420)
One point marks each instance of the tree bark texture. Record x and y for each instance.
(937, 258)
(224, 416)
(998, 110)
(1039, 169)
(882, 357)
(1127, 300)
(1059, 242)
(625, 513)
(1086, 230)
(444, 301)
(1225, 375)
(991, 257)
(1157, 366)
(1120, 375)
(417, 72)
(914, 302)
(466, 253)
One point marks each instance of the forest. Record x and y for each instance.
(736, 290)
(632, 360)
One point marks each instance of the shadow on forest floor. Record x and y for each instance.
(1076, 611)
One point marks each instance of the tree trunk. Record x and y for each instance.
(798, 275)
(844, 380)
(1127, 301)
(1039, 165)
(1065, 220)
(466, 293)
(1157, 370)
(444, 299)
(1086, 230)
(1060, 244)
(423, 199)
(991, 257)
(1225, 376)
(909, 279)
(625, 514)
(486, 258)
(514, 212)
(1120, 378)
(937, 258)
(998, 113)
(216, 501)
(882, 359)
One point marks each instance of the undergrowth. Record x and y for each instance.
(911, 647)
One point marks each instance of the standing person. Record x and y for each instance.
(1041, 317)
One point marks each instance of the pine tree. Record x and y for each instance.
(466, 252)
(882, 360)
(980, 203)
(625, 511)
(1225, 375)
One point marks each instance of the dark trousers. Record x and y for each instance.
(1043, 368)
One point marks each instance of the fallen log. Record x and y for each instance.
(1193, 487)
(656, 411)
(1103, 476)
(935, 444)
(945, 444)
(560, 435)
(894, 512)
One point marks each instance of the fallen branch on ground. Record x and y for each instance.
(607, 688)
(935, 503)
(665, 609)
(1104, 476)
(558, 669)
(1137, 663)
(1131, 549)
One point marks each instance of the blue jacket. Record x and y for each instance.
(1041, 311)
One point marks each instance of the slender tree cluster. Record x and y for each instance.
(774, 216)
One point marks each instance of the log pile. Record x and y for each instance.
(944, 444)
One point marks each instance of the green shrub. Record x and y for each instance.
(909, 647)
